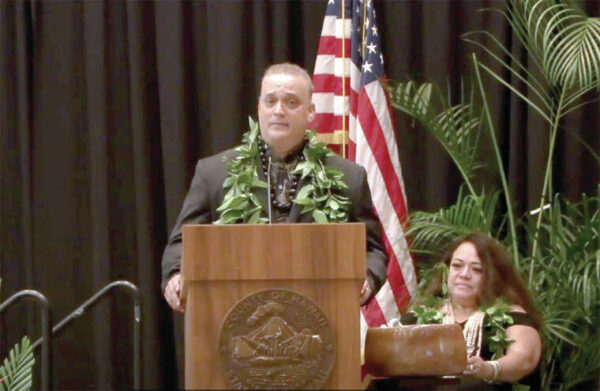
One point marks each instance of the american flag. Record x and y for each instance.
(353, 114)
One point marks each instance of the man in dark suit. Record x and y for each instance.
(284, 111)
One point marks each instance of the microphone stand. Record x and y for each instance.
(269, 191)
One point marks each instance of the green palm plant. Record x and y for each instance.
(560, 257)
(566, 284)
(470, 213)
(455, 127)
(16, 371)
(564, 44)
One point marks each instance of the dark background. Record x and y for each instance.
(106, 106)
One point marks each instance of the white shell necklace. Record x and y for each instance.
(472, 331)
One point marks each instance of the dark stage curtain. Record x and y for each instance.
(106, 106)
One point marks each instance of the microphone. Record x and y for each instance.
(269, 191)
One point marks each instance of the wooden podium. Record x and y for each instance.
(224, 263)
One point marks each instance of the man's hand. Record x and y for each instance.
(173, 291)
(365, 293)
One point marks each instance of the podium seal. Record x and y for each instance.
(276, 339)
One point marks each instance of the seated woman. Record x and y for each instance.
(487, 297)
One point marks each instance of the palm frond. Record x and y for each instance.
(16, 371)
(565, 44)
(427, 275)
(575, 102)
(543, 104)
(565, 279)
(456, 127)
(573, 55)
(583, 364)
(561, 40)
(430, 231)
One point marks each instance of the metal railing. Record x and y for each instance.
(46, 339)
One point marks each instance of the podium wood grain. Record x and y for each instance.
(223, 264)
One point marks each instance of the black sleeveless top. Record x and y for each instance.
(532, 380)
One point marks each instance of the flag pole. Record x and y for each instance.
(363, 41)
(344, 108)
(376, 147)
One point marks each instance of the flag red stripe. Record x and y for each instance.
(353, 103)
(373, 314)
(351, 151)
(394, 272)
(330, 83)
(327, 122)
(374, 135)
(333, 46)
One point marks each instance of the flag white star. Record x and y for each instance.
(331, 2)
(367, 66)
(381, 58)
(372, 48)
(374, 29)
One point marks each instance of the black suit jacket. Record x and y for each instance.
(206, 194)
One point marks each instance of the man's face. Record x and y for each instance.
(284, 110)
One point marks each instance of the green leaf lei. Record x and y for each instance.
(496, 321)
(320, 196)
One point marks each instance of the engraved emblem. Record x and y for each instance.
(276, 339)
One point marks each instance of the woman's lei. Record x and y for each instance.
(429, 311)
(495, 322)
(320, 196)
